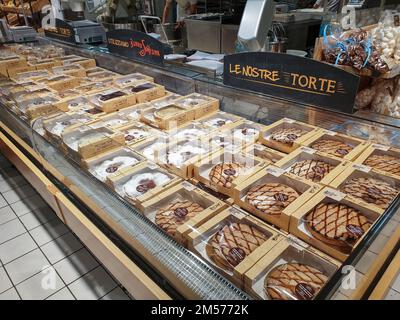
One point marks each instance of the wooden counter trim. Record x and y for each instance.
(139, 285)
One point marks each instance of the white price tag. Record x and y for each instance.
(188, 186)
(151, 165)
(237, 213)
(297, 243)
(308, 150)
(259, 147)
(362, 167)
(330, 133)
(380, 147)
(287, 120)
(334, 194)
(275, 171)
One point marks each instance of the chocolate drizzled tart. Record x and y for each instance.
(233, 243)
(370, 190)
(332, 147)
(271, 198)
(314, 170)
(294, 281)
(287, 135)
(337, 224)
(224, 173)
(385, 163)
(177, 213)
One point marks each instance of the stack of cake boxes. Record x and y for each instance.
(204, 176)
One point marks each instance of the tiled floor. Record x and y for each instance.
(40, 258)
(394, 292)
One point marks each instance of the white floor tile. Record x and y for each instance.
(60, 248)
(40, 286)
(10, 294)
(93, 285)
(10, 230)
(392, 295)
(364, 264)
(19, 194)
(6, 214)
(12, 183)
(378, 244)
(29, 204)
(26, 266)
(396, 283)
(16, 247)
(5, 282)
(37, 217)
(48, 232)
(76, 265)
(116, 294)
(3, 201)
(63, 294)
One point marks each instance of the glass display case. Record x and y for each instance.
(170, 262)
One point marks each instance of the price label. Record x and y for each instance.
(297, 243)
(287, 120)
(362, 167)
(334, 194)
(188, 186)
(308, 150)
(237, 213)
(259, 147)
(152, 165)
(380, 147)
(330, 133)
(275, 171)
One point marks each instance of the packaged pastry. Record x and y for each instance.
(180, 209)
(180, 156)
(12, 61)
(332, 223)
(270, 156)
(169, 117)
(90, 88)
(55, 126)
(85, 142)
(286, 135)
(219, 120)
(191, 131)
(201, 105)
(137, 132)
(72, 70)
(311, 165)
(367, 187)
(148, 148)
(83, 62)
(112, 120)
(166, 100)
(142, 182)
(223, 140)
(133, 112)
(273, 195)
(100, 75)
(291, 270)
(132, 78)
(38, 106)
(111, 162)
(44, 64)
(31, 93)
(31, 75)
(60, 82)
(13, 71)
(233, 242)
(337, 145)
(246, 130)
(382, 159)
(223, 170)
(112, 99)
(145, 91)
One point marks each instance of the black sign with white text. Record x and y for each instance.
(136, 45)
(62, 31)
(291, 77)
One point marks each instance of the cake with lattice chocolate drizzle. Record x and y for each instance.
(314, 170)
(271, 198)
(332, 147)
(287, 135)
(224, 173)
(169, 218)
(294, 281)
(337, 224)
(385, 163)
(233, 243)
(370, 190)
